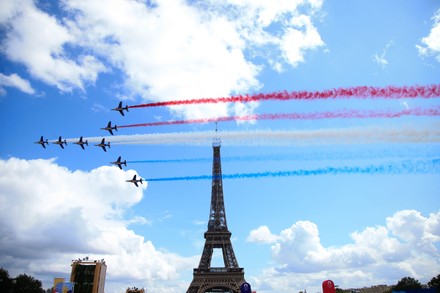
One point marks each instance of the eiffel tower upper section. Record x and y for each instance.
(217, 214)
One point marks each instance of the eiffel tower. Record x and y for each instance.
(228, 278)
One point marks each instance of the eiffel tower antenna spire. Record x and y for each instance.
(229, 277)
(216, 141)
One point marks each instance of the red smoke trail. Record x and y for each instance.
(299, 116)
(388, 92)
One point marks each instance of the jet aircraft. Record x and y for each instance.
(42, 142)
(119, 163)
(110, 127)
(135, 181)
(60, 142)
(121, 109)
(81, 143)
(103, 144)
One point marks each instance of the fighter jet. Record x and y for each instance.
(119, 163)
(110, 128)
(103, 144)
(42, 142)
(135, 181)
(121, 109)
(60, 142)
(81, 143)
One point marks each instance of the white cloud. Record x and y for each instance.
(378, 255)
(412, 228)
(38, 41)
(431, 43)
(381, 59)
(9, 9)
(262, 235)
(298, 38)
(287, 44)
(174, 50)
(16, 81)
(51, 215)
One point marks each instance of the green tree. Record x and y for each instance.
(435, 283)
(27, 284)
(5, 281)
(407, 283)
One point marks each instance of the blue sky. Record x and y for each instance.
(65, 64)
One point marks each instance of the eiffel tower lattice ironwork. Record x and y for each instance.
(217, 279)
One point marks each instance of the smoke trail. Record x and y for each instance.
(288, 138)
(300, 116)
(388, 92)
(195, 160)
(335, 136)
(403, 167)
(333, 154)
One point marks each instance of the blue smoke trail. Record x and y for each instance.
(404, 167)
(195, 160)
(330, 154)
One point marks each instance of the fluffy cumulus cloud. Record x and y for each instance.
(163, 49)
(50, 215)
(39, 41)
(406, 246)
(285, 46)
(431, 43)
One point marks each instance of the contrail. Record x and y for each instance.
(300, 154)
(288, 138)
(403, 167)
(388, 92)
(335, 136)
(299, 116)
(194, 160)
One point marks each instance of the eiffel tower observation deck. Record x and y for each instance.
(230, 276)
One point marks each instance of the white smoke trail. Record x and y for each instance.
(358, 135)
